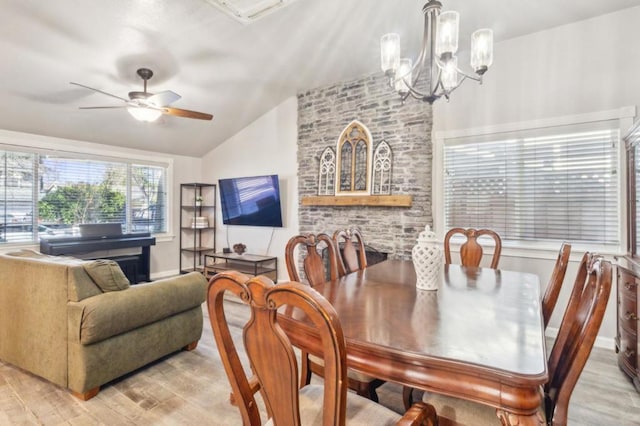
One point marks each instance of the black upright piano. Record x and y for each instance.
(99, 237)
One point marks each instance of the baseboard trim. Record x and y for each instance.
(164, 274)
(601, 342)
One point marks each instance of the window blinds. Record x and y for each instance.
(553, 185)
(52, 193)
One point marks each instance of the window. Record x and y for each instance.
(632, 140)
(353, 159)
(51, 194)
(550, 184)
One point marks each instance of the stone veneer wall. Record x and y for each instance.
(323, 114)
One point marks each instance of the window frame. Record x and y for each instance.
(542, 249)
(24, 142)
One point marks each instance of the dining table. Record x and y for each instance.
(478, 337)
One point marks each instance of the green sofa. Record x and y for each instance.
(57, 323)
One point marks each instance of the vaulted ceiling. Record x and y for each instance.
(234, 71)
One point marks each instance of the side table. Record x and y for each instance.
(250, 264)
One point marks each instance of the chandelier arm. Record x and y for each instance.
(434, 67)
(465, 74)
(464, 77)
(419, 64)
(428, 43)
(417, 68)
(469, 76)
(430, 97)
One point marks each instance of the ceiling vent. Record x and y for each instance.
(247, 11)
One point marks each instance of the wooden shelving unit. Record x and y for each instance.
(196, 240)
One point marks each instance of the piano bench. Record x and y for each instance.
(129, 265)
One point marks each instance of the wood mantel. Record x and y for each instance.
(358, 200)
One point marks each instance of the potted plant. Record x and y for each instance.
(198, 200)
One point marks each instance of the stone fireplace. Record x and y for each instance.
(323, 113)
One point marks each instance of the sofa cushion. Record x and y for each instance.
(107, 275)
(99, 317)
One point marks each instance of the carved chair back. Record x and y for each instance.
(577, 334)
(353, 256)
(552, 292)
(314, 269)
(313, 264)
(471, 251)
(271, 355)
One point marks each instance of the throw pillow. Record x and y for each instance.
(107, 275)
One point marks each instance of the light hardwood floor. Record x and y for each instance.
(190, 388)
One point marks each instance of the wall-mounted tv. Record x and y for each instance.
(252, 201)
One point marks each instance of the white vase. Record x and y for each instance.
(427, 260)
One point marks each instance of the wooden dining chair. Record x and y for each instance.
(313, 264)
(314, 269)
(471, 251)
(352, 254)
(571, 349)
(274, 365)
(552, 292)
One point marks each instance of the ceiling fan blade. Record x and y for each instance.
(163, 98)
(186, 113)
(99, 91)
(103, 107)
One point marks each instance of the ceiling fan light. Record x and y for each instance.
(144, 114)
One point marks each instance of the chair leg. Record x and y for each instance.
(407, 397)
(305, 369)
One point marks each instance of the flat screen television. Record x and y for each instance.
(251, 201)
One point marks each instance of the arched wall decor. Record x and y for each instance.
(353, 160)
(381, 173)
(354, 174)
(327, 173)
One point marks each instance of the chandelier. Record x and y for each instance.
(437, 59)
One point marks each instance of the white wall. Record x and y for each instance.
(267, 146)
(584, 67)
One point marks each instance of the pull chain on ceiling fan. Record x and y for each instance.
(145, 106)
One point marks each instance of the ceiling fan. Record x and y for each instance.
(145, 106)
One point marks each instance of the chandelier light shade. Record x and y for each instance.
(437, 61)
(447, 33)
(144, 114)
(404, 76)
(390, 51)
(481, 50)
